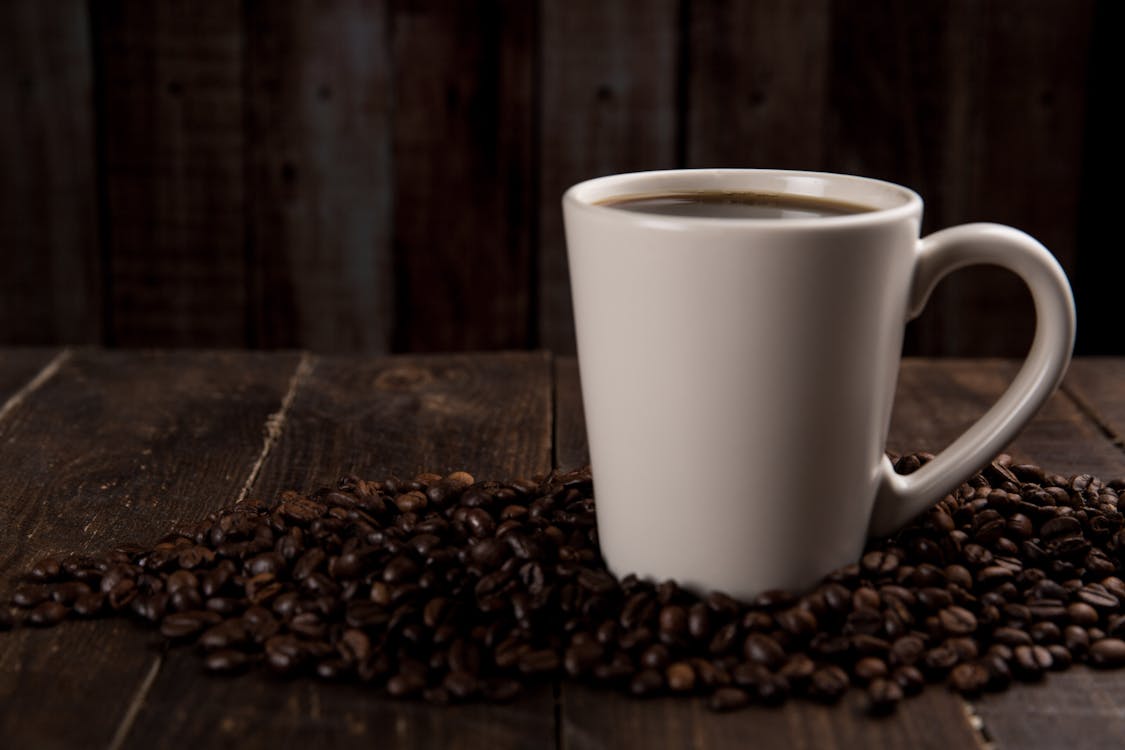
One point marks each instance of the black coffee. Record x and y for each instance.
(734, 205)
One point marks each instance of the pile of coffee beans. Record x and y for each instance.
(449, 589)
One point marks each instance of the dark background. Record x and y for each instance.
(383, 175)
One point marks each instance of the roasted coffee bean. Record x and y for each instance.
(909, 678)
(969, 679)
(957, 620)
(796, 621)
(1095, 595)
(907, 650)
(46, 569)
(763, 649)
(581, 658)
(1011, 637)
(883, 696)
(1045, 632)
(186, 624)
(29, 595)
(680, 677)
(1030, 662)
(448, 590)
(226, 661)
(699, 622)
(828, 684)
(1061, 657)
(869, 668)
(90, 605)
(539, 662)
(47, 613)
(646, 682)
(1076, 639)
(939, 660)
(1107, 653)
(728, 699)
(1059, 527)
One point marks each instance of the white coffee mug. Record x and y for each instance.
(738, 374)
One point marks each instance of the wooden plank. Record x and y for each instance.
(115, 447)
(1025, 65)
(50, 286)
(571, 451)
(608, 103)
(488, 414)
(896, 116)
(319, 176)
(925, 94)
(592, 718)
(753, 67)
(18, 367)
(936, 400)
(1097, 272)
(463, 174)
(1098, 385)
(173, 152)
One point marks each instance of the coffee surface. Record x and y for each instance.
(734, 205)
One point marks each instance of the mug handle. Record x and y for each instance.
(901, 497)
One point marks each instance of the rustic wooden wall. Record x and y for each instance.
(384, 175)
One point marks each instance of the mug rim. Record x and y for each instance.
(900, 202)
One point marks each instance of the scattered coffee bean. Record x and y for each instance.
(1107, 653)
(728, 699)
(969, 679)
(450, 590)
(883, 696)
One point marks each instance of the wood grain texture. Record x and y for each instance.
(488, 414)
(608, 103)
(173, 154)
(1020, 72)
(938, 399)
(319, 174)
(571, 450)
(758, 78)
(1098, 386)
(592, 718)
(978, 107)
(115, 447)
(463, 174)
(18, 367)
(50, 286)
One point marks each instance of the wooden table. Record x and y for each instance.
(99, 447)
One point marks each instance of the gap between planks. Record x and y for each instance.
(275, 422)
(35, 383)
(273, 427)
(1089, 411)
(135, 704)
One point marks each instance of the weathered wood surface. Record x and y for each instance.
(375, 418)
(369, 175)
(51, 280)
(105, 447)
(113, 448)
(319, 170)
(170, 103)
(608, 104)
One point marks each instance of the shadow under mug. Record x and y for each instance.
(738, 373)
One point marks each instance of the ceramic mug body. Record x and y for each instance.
(738, 374)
